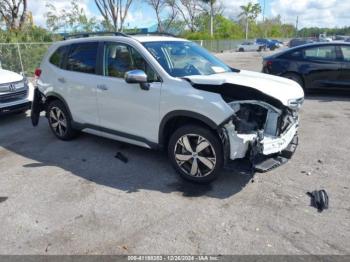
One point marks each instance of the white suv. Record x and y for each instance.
(165, 92)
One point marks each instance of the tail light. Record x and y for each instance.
(37, 73)
(269, 64)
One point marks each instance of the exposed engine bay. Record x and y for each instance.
(258, 123)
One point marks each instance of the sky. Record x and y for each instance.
(321, 13)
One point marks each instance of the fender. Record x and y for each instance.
(58, 96)
(183, 113)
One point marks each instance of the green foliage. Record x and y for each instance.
(31, 54)
(315, 31)
(73, 19)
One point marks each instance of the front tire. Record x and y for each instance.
(196, 153)
(60, 121)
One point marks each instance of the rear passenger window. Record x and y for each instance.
(58, 56)
(346, 53)
(321, 52)
(82, 58)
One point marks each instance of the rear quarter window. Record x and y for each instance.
(58, 56)
(293, 55)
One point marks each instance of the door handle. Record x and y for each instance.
(62, 80)
(102, 87)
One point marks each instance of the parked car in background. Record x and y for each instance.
(267, 43)
(277, 43)
(15, 94)
(249, 46)
(299, 41)
(340, 38)
(347, 40)
(319, 65)
(324, 38)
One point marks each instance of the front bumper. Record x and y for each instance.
(13, 108)
(271, 145)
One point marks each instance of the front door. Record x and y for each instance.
(125, 108)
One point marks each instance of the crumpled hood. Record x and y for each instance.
(9, 77)
(279, 88)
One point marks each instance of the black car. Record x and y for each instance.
(320, 65)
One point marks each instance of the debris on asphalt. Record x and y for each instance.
(47, 247)
(319, 199)
(320, 161)
(78, 217)
(84, 160)
(121, 157)
(3, 199)
(308, 173)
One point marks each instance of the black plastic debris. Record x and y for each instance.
(3, 199)
(319, 199)
(121, 157)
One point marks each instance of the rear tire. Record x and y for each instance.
(60, 121)
(241, 50)
(196, 153)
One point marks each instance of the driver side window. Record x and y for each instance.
(120, 58)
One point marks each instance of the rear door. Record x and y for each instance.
(344, 77)
(321, 66)
(79, 82)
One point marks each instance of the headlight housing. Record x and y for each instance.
(295, 104)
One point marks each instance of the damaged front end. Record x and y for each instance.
(267, 135)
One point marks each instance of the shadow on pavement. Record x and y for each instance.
(328, 95)
(93, 159)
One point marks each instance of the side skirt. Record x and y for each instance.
(115, 135)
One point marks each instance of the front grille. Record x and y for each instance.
(11, 97)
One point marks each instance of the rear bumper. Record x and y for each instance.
(15, 108)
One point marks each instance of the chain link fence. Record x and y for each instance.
(22, 57)
(218, 46)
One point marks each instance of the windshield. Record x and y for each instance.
(181, 59)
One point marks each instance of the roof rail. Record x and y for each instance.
(153, 33)
(88, 34)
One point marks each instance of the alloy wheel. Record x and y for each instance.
(195, 155)
(58, 121)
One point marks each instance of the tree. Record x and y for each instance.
(159, 6)
(114, 12)
(74, 18)
(14, 13)
(211, 8)
(249, 12)
(189, 10)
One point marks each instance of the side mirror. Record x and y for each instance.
(137, 77)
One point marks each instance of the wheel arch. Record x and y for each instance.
(51, 96)
(172, 120)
